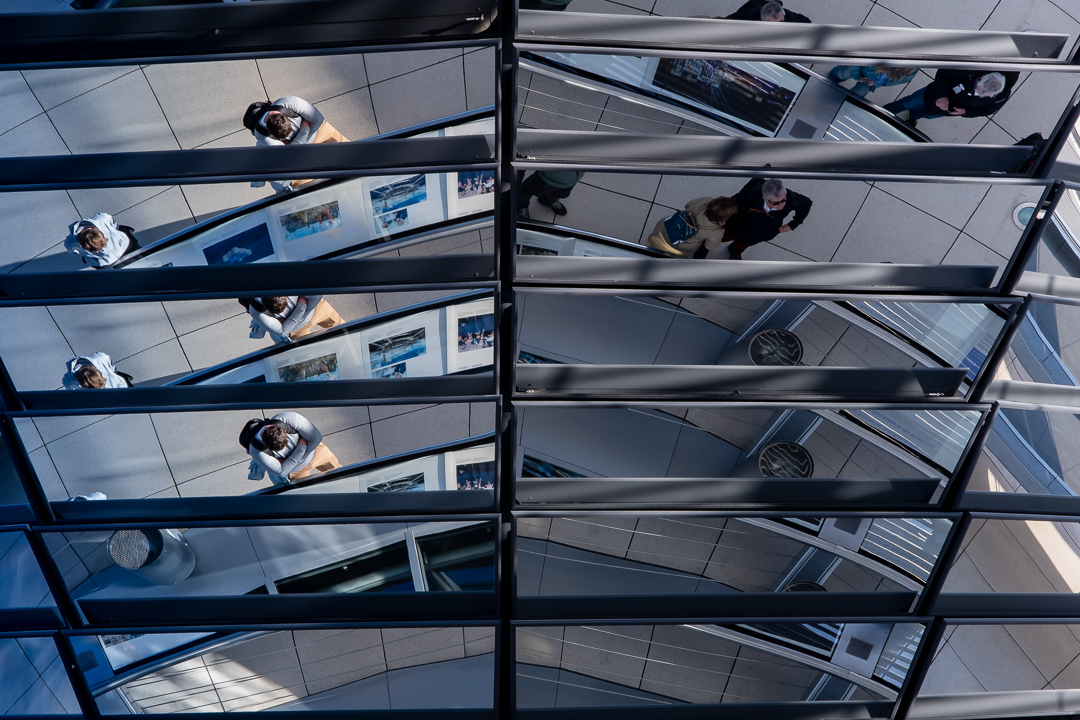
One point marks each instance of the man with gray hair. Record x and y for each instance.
(768, 11)
(970, 93)
(764, 205)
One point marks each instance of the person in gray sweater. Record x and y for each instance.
(289, 447)
(290, 317)
(99, 241)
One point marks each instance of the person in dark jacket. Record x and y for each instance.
(768, 11)
(763, 208)
(549, 187)
(970, 93)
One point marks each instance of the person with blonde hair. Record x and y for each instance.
(708, 216)
(871, 77)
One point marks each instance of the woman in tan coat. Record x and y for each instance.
(709, 215)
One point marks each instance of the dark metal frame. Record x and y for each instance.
(259, 30)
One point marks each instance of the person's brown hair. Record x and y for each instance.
(720, 209)
(895, 73)
(89, 377)
(91, 239)
(274, 437)
(279, 126)
(276, 304)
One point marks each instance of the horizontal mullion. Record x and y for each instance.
(215, 165)
(732, 381)
(286, 505)
(658, 34)
(1020, 503)
(225, 281)
(200, 30)
(27, 619)
(675, 492)
(673, 153)
(993, 606)
(209, 611)
(457, 388)
(745, 607)
(1033, 396)
(877, 278)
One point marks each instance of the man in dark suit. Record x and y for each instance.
(763, 208)
(767, 10)
(970, 93)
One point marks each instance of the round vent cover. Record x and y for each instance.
(775, 346)
(785, 460)
(804, 586)
(133, 549)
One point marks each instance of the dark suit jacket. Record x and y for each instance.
(959, 87)
(753, 224)
(751, 10)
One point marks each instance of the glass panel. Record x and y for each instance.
(1043, 351)
(458, 559)
(24, 585)
(35, 682)
(1030, 451)
(322, 670)
(597, 555)
(714, 442)
(655, 665)
(730, 330)
(197, 562)
(939, 436)
(435, 338)
(157, 459)
(990, 560)
(584, 91)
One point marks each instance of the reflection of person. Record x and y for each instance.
(291, 317)
(763, 207)
(543, 5)
(768, 11)
(94, 372)
(549, 187)
(710, 216)
(871, 77)
(291, 120)
(99, 241)
(970, 93)
(288, 447)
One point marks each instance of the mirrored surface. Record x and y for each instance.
(35, 682)
(1029, 451)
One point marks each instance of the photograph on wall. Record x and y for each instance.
(727, 88)
(471, 333)
(397, 348)
(399, 194)
(408, 483)
(396, 370)
(324, 367)
(530, 250)
(392, 222)
(247, 246)
(309, 221)
(471, 469)
(470, 192)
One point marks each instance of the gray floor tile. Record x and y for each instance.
(119, 456)
(540, 645)
(994, 658)
(21, 102)
(1050, 647)
(1037, 105)
(760, 676)
(555, 105)
(930, 14)
(612, 652)
(156, 365)
(606, 213)
(158, 217)
(52, 428)
(676, 190)
(90, 201)
(222, 341)
(385, 65)
(54, 86)
(335, 419)
(969, 251)
(385, 302)
(750, 558)
(313, 78)
(992, 223)
(198, 443)
(954, 204)
(209, 200)
(418, 429)
(351, 446)
(34, 350)
(948, 675)
(24, 586)
(19, 674)
(353, 307)
(687, 664)
(480, 78)
(836, 205)
(28, 434)
(36, 136)
(228, 481)
(623, 116)
(1039, 16)
(442, 86)
(1003, 562)
(406, 647)
(673, 544)
(37, 700)
(607, 535)
(890, 230)
(40, 650)
(351, 113)
(992, 134)
(34, 223)
(222, 89)
(638, 185)
(89, 123)
(119, 330)
(189, 315)
(47, 475)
